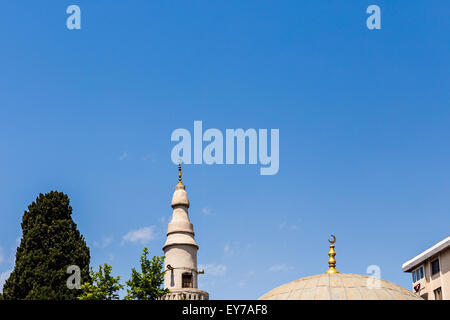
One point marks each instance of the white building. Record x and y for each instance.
(180, 251)
(430, 271)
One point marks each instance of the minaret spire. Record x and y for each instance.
(179, 173)
(332, 254)
(180, 250)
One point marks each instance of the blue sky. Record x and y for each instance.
(363, 117)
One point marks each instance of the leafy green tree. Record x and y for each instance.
(103, 286)
(50, 243)
(147, 284)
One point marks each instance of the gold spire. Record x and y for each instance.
(179, 173)
(331, 254)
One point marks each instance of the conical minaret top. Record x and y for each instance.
(180, 250)
(180, 229)
(180, 197)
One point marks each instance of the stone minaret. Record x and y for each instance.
(180, 251)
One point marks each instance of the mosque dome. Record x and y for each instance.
(339, 286)
(333, 285)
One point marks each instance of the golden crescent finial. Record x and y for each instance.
(332, 241)
(179, 173)
(332, 254)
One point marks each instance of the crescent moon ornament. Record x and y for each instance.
(332, 241)
(332, 254)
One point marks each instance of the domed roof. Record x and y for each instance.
(333, 285)
(340, 286)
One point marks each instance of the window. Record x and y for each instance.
(435, 266)
(418, 274)
(186, 280)
(438, 294)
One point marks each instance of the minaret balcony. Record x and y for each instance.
(186, 294)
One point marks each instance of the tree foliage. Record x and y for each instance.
(147, 284)
(102, 286)
(50, 243)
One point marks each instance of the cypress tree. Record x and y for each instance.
(50, 243)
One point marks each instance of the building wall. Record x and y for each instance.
(183, 258)
(445, 274)
(423, 292)
(440, 280)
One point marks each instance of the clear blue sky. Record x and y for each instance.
(363, 117)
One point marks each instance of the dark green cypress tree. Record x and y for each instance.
(50, 243)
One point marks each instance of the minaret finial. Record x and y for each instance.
(179, 173)
(331, 254)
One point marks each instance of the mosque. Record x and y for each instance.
(181, 277)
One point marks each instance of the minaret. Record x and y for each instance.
(180, 251)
